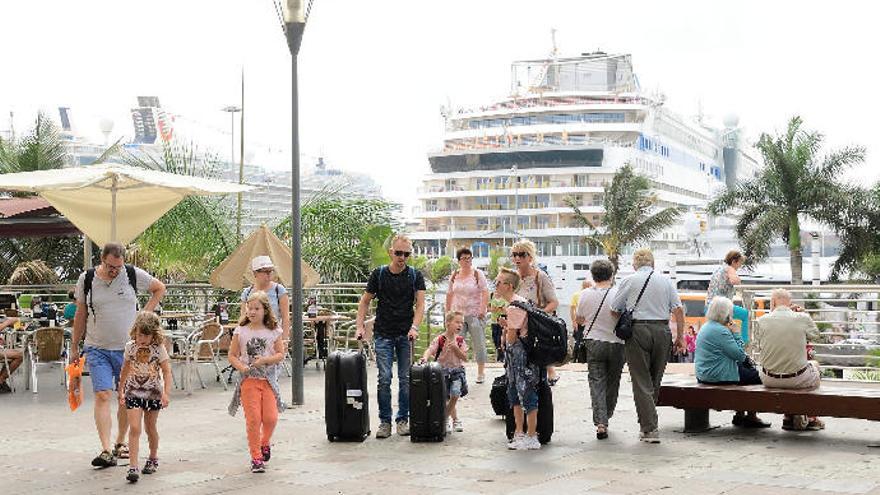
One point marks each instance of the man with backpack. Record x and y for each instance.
(398, 287)
(651, 297)
(106, 307)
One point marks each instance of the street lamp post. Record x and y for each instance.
(232, 110)
(294, 17)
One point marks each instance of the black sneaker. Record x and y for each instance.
(151, 466)
(257, 466)
(104, 460)
(133, 475)
(5, 388)
(267, 452)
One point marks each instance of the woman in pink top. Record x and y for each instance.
(468, 293)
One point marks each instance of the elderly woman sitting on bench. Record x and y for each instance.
(720, 358)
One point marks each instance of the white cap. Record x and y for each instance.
(261, 262)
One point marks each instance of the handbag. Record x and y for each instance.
(580, 345)
(623, 329)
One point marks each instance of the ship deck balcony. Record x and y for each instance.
(525, 209)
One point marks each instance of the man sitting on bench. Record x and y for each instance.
(784, 333)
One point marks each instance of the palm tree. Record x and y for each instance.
(41, 149)
(343, 238)
(858, 228)
(196, 235)
(795, 183)
(631, 215)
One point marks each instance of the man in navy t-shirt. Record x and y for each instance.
(398, 288)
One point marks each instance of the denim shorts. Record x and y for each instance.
(455, 388)
(529, 402)
(104, 367)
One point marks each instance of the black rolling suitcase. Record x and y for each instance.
(346, 402)
(427, 403)
(498, 395)
(545, 415)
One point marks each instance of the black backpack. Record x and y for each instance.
(547, 339)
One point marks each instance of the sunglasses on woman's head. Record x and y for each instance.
(405, 254)
(520, 255)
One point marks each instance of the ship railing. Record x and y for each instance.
(848, 319)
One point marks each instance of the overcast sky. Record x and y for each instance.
(373, 75)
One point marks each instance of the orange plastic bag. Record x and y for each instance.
(75, 392)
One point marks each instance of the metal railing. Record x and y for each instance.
(200, 298)
(848, 318)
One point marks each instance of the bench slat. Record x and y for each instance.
(835, 401)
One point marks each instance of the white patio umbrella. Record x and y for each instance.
(114, 202)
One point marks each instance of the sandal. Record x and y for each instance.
(601, 432)
(552, 381)
(120, 450)
(815, 424)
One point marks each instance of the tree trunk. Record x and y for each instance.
(794, 247)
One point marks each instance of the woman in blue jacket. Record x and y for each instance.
(720, 358)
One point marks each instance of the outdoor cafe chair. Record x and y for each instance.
(206, 347)
(180, 343)
(48, 346)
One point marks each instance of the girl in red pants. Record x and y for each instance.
(255, 351)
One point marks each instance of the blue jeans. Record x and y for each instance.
(386, 349)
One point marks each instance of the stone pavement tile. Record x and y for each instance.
(844, 485)
(565, 485)
(204, 451)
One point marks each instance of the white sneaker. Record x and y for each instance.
(532, 443)
(457, 425)
(449, 427)
(516, 441)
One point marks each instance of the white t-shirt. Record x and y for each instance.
(115, 308)
(603, 329)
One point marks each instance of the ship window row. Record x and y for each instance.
(674, 154)
(540, 139)
(524, 201)
(559, 118)
(537, 181)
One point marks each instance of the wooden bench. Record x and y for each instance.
(842, 400)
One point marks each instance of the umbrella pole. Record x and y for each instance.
(113, 189)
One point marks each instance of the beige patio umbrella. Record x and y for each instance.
(234, 273)
(113, 202)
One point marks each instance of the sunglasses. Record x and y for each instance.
(519, 254)
(466, 258)
(266, 270)
(405, 254)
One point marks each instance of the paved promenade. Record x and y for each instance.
(44, 448)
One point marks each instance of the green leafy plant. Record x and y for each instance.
(341, 237)
(631, 214)
(196, 235)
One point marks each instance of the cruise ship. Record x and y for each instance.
(505, 169)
